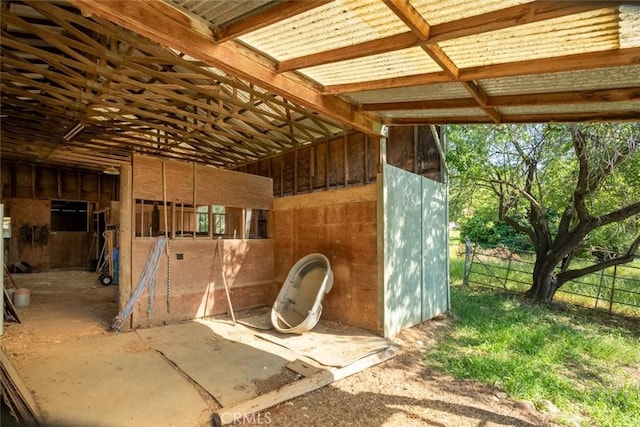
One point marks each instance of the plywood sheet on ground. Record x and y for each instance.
(330, 344)
(111, 381)
(230, 371)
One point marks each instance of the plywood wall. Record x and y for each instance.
(22, 182)
(189, 281)
(196, 286)
(340, 224)
(29, 240)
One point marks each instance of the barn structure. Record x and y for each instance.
(268, 130)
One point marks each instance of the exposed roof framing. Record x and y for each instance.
(227, 82)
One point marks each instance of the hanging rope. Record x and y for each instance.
(147, 279)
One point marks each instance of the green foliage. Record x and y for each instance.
(485, 229)
(488, 165)
(578, 362)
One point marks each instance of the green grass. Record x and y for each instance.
(594, 290)
(585, 362)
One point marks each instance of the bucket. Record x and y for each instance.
(10, 292)
(21, 297)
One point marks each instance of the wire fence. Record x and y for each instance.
(615, 289)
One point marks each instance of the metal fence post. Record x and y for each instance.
(467, 260)
(613, 286)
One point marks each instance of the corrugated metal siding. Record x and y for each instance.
(337, 24)
(405, 62)
(601, 78)
(411, 93)
(575, 34)
(437, 12)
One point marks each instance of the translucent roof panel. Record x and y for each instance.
(399, 63)
(574, 108)
(461, 112)
(437, 12)
(599, 78)
(336, 24)
(411, 93)
(581, 33)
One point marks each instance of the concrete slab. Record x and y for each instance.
(111, 381)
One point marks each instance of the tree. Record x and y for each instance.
(559, 185)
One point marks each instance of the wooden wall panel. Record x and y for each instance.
(46, 183)
(147, 178)
(356, 156)
(69, 249)
(400, 147)
(289, 173)
(196, 285)
(89, 184)
(342, 224)
(70, 187)
(22, 180)
(234, 189)
(276, 174)
(179, 181)
(336, 162)
(304, 171)
(29, 213)
(6, 169)
(320, 167)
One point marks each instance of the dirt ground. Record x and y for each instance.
(400, 392)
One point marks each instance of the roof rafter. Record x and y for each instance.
(169, 26)
(491, 21)
(590, 60)
(265, 18)
(549, 98)
(421, 28)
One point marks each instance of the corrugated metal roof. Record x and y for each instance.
(336, 24)
(440, 11)
(223, 12)
(629, 26)
(411, 93)
(580, 33)
(459, 112)
(599, 78)
(404, 62)
(574, 108)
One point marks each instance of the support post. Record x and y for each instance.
(126, 234)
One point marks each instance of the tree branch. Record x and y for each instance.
(627, 257)
(615, 216)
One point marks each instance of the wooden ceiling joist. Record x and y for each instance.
(168, 26)
(166, 77)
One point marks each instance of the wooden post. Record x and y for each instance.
(366, 159)
(346, 164)
(126, 239)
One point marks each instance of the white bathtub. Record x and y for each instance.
(299, 303)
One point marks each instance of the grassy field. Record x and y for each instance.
(585, 362)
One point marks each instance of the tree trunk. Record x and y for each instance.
(545, 280)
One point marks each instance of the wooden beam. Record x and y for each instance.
(617, 116)
(322, 378)
(549, 98)
(267, 17)
(166, 25)
(491, 21)
(582, 61)
(373, 47)
(411, 17)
